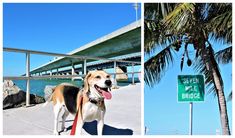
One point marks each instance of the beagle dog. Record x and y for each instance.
(88, 102)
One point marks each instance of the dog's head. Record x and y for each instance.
(100, 82)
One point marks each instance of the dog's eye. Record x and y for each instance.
(108, 76)
(98, 77)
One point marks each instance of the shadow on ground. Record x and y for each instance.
(91, 128)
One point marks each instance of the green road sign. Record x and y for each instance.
(191, 88)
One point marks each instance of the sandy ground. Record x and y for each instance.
(123, 116)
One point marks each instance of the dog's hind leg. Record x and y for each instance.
(57, 109)
(64, 116)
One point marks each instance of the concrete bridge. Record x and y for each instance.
(122, 44)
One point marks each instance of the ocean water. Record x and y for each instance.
(37, 86)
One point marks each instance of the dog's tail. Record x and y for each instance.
(48, 100)
(50, 96)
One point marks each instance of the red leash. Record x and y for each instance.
(74, 125)
(76, 118)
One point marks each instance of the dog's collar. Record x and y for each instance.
(94, 100)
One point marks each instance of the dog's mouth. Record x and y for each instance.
(104, 92)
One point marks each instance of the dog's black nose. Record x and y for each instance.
(108, 82)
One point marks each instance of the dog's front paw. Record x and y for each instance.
(65, 129)
(56, 133)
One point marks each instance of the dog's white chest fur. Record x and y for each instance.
(91, 112)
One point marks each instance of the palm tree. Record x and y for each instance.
(172, 26)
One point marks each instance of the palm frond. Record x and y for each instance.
(155, 67)
(151, 32)
(156, 36)
(158, 10)
(214, 9)
(224, 56)
(219, 22)
(154, 31)
(180, 18)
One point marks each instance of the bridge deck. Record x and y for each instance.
(123, 116)
(123, 41)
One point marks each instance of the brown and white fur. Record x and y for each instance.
(88, 102)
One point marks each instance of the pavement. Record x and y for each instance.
(123, 116)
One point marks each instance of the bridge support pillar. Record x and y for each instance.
(57, 72)
(115, 76)
(50, 73)
(73, 71)
(133, 70)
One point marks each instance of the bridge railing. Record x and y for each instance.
(28, 76)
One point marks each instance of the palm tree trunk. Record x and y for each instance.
(222, 104)
(209, 60)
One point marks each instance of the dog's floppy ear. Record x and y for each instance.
(86, 85)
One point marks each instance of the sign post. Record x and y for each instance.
(191, 89)
(191, 118)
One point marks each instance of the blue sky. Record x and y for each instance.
(58, 28)
(165, 116)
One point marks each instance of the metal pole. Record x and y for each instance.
(133, 79)
(65, 55)
(114, 77)
(191, 118)
(136, 6)
(84, 67)
(136, 13)
(28, 80)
